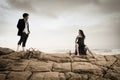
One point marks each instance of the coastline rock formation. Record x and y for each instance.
(36, 65)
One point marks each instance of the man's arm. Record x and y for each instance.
(18, 24)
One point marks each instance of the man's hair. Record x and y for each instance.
(25, 14)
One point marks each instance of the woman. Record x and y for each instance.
(80, 47)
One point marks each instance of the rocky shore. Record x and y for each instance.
(36, 65)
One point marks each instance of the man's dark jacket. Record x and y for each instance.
(21, 26)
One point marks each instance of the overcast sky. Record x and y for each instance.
(54, 24)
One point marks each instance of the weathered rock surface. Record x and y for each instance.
(39, 66)
(4, 51)
(62, 67)
(35, 65)
(2, 76)
(85, 67)
(18, 75)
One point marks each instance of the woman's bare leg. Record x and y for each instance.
(90, 51)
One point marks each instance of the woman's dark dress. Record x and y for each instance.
(81, 47)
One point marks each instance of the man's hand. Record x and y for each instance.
(28, 32)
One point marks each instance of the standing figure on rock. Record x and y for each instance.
(80, 47)
(23, 31)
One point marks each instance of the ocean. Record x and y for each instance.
(95, 51)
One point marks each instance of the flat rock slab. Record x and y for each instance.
(62, 67)
(51, 76)
(85, 67)
(39, 66)
(38, 76)
(45, 76)
(56, 58)
(19, 75)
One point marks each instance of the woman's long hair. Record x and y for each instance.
(82, 33)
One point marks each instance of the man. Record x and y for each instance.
(23, 31)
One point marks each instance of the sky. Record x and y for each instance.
(54, 24)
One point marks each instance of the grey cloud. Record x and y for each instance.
(108, 6)
(21, 4)
(53, 8)
(49, 7)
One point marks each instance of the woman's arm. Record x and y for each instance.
(76, 46)
(76, 39)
